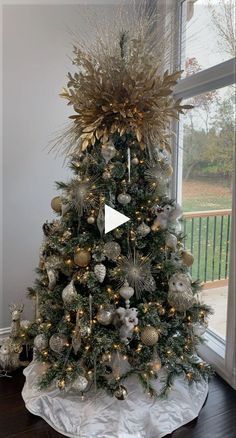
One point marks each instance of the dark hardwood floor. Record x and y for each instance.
(217, 419)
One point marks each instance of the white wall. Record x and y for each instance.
(36, 45)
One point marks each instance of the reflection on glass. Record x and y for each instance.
(208, 156)
(208, 36)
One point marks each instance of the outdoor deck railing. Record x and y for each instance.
(207, 236)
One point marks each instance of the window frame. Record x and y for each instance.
(217, 351)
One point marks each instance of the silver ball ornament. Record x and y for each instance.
(105, 315)
(135, 161)
(40, 342)
(91, 220)
(112, 250)
(58, 342)
(124, 198)
(80, 384)
(121, 392)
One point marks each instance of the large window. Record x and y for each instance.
(205, 162)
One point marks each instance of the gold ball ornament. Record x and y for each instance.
(82, 258)
(56, 204)
(149, 336)
(187, 258)
(121, 392)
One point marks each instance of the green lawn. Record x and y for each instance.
(204, 203)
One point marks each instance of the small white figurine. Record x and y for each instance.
(128, 319)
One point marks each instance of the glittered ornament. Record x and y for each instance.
(106, 175)
(40, 342)
(25, 324)
(52, 265)
(82, 258)
(65, 208)
(101, 220)
(91, 220)
(126, 292)
(100, 272)
(121, 392)
(143, 230)
(187, 258)
(80, 384)
(136, 268)
(9, 356)
(67, 234)
(85, 330)
(58, 342)
(171, 241)
(69, 293)
(150, 284)
(180, 295)
(108, 151)
(84, 193)
(112, 250)
(124, 198)
(149, 336)
(76, 335)
(56, 204)
(199, 328)
(105, 315)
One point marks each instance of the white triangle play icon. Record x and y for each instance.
(113, 219)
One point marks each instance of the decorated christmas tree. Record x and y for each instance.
(114, 304)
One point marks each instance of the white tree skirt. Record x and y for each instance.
(102, 416)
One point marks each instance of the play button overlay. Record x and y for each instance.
(113, 219)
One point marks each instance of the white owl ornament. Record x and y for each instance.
(180, 295)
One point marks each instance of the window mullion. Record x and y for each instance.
(209, 79)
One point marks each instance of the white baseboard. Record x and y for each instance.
(4, 332)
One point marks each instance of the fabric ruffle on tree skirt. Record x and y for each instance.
(102, 416)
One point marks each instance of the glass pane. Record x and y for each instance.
(208, 33)
(208, 141)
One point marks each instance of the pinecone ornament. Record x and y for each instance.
(100, 272)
